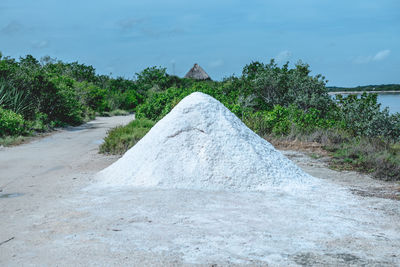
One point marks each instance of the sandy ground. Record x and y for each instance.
(49, 216)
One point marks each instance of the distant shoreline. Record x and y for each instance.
(358, 92)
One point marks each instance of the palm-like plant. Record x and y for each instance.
(13, 99)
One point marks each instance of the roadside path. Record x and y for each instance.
(38, 174)
(31, 168)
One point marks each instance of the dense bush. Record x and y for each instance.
(364, 117)
(92, 96)
(156, 79)
(11, 123)
(65, 93)
(122, 93)
(41, 123)
(121, 138)
(13, 99)
(371, 155)
(282, 121)
(274, 85)
(62, 103)
(158, 104)
(127, 100)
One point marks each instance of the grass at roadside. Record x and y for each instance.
(121, 138)
(13, 140)
(117, 112)
(367, 155)
(370, 156)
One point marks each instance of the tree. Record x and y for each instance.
(273, 85)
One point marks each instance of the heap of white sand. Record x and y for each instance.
(200, 144)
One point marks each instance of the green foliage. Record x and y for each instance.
(308, 121)
(13, 140)
(92, 96)
(273, 85)
(63, 103)
(122, 93)
(117, 85)
(363, 116)
(14, 99)
(11, 123)
(158, 104)
(66, 93)
(115, 112)
(41, 123)
(275, 121)
(368, 155)
(371, 155)
(74, 70)
(33, 90)
(282, 121)
(154, 78)
(127, 100)
(121, 138)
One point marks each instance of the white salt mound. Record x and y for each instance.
(200, 144)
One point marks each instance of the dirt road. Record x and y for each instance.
(32, 168)
(39, 174)
(49, 215)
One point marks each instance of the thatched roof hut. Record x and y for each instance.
(197, 73)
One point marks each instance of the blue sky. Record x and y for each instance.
(351, 43)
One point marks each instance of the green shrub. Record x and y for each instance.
(257, 122)
(154, 78)
(115, 112)
(121, 138)
(273, 85)
(282, 121)
(67, 93)
(158, 104)
(364, 117)
(371, 155)
(13, 99)
(11, 123)
(41, 123)
(63, 104)
(92, 96)
(68, 109)
(74, 70)
(127, 100)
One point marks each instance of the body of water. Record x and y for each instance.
(390, 100)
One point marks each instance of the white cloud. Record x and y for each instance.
(12, 28)
(381, 55)
(129, 24)
(40, 44)
(283, 56)
(362, 59)
(189, 19)
(216, 63)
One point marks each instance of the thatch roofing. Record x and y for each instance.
(197, 73)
